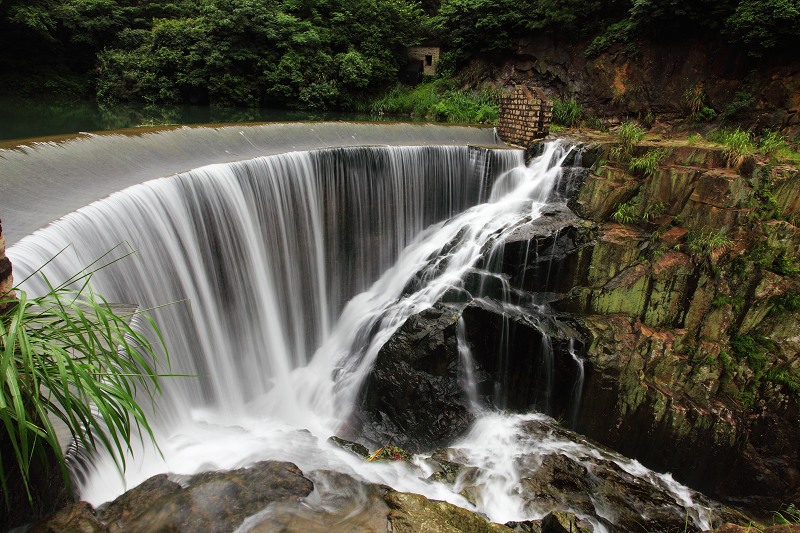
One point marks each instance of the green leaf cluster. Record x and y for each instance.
(437, 100)
(68, 355)
(483, 26)
(313, 54)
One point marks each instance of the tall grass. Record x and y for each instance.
(434, 100)
(707, 243)
(628, 135)
(647, 164)
(69, 355)
(739, 145)
(567, 112)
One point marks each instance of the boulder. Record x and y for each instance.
(412, 397)
(211, 501)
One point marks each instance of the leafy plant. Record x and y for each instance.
(789, 302)
(647, 164)
(752, 350)
(775, 146)
(739, 145)
(785, 377)
(707, 243)
(434, 100)
(705, 114)
(790, 515)
(767, 203)
(654, 211)
(785, 265)
(736, 302)
(628, 135)
(625, 213)
(567, 112)
(695, 98)
(619, 32)
(740, 105)
(68, 354)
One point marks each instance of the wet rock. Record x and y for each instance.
(527, 526)
(583, 483)
(444, 470)
(542, 256)
(211, 501)
(602, 191)
(526, 353)
(352, 447)
(127, 507)
(78, 518)
(413, 513)
(339, 502)
(563, 523)
(733, 528)
(412, 397)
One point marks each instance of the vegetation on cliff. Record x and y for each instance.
(690, 297)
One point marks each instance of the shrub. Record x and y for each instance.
(619, 32)
(67, 354)
(789, 302)
(434, 101)
(752, 350)
(705, 114)
(785, 265)
(740, 105)
(784, 377)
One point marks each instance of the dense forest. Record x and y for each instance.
(328, 54)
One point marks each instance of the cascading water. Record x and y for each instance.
(288, 274)
(467, 370)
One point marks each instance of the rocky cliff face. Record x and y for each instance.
(654, 79)
(691, 313)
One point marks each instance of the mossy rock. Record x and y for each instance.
(603, 191)
(412, 513)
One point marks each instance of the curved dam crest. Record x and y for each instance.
(43, 181)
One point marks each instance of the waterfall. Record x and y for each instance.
(577, 390)
(284, 276)
(467, 369)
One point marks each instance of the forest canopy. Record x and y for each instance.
(321, 54)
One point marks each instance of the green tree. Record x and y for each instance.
(763, 25)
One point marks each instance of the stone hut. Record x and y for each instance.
(524, 116)
(429, 55)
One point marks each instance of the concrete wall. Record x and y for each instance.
(422, 53)
(524, 116)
